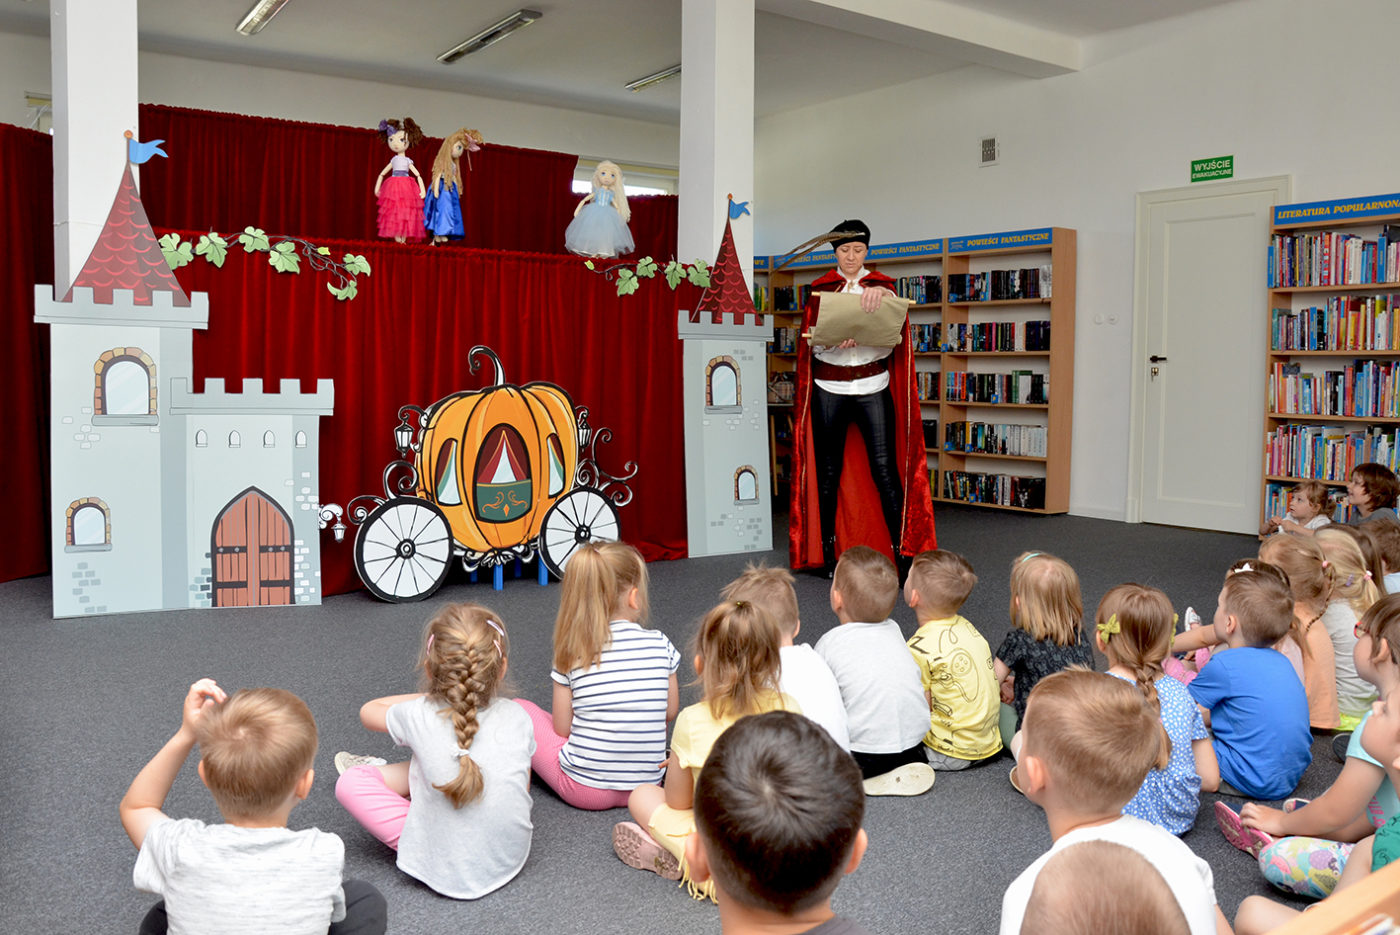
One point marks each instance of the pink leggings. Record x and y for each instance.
(545, 763)
(369, 801)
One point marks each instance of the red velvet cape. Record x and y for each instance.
(859, 519)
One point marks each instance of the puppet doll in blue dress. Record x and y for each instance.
(599, 227)
(442, 208)
(400, 195)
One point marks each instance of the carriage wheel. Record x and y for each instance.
(403, 550)
(581, 515)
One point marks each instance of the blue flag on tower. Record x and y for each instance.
(139, 153)
(737, 208)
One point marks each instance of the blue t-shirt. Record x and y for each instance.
(1171, 797)
(1259, 716)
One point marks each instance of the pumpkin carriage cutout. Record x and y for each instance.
(501, 474)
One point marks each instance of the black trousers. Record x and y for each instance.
(873, 414)
(366, 913)
(878, 764)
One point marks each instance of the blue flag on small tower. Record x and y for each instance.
(139, 153)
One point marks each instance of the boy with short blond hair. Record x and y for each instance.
(804, 675)
(955, 663)
(1088, 740)
(886, 712)
(252, 873)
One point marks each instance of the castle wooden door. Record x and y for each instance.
(252, 552)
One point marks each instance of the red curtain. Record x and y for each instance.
(26, 159)
(404, 339)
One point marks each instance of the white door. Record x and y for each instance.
(1201, 311)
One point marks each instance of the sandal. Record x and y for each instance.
(1249, 840)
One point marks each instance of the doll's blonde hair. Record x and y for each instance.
(464, 657)
(445, 167)
(596, 583)
(619, 190)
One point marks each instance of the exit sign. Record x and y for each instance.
(1219, 167)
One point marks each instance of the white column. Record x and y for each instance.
(716, 126)
(93, 50)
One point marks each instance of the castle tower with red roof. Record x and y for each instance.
(165, 498)
(725, 377)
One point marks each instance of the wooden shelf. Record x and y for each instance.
(1358, 352)
(1349, 287)
(1313, 417)
(1279, 479)
(970, 405)
(996, 353)
(925, 306)
(984, 454)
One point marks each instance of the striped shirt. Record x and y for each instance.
(618, 736)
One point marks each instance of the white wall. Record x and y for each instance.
(1286, 86)
(268, 92)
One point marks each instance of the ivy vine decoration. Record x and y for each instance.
(629, 275)
(284, 254)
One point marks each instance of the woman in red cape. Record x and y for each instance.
(859, 470)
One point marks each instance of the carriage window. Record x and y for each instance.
(446, 488)
(89, 529)
(503, 489)
(722, 385)
(556, 466)
(269, 440)
(201, 439)
(745, 485)
(125, 391)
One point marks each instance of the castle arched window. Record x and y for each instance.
(269, 440)
(124, 392)
(201, 439)
(301, 440)
(746, 485)
(88, 526)
(722, 393)
(234, 439)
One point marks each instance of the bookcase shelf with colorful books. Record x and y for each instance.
(993, 332)
(1334, 343)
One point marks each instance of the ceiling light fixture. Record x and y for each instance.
(259, 15)
(650, 80)
(490, 35)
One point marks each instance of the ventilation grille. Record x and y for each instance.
(990, 151)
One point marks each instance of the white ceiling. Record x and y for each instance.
(581, 52)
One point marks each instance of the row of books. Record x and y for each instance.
(1018, 386)
(931, 433)
(784, 340)
(995, 438)
(1334, 258)
(926, 337)
(928, 383)
(998, 336)
(1327, 452)
(922, 290)
(1345, 323)
(782, 298)
(1000, 284)
(1276, 501)
(1363, 389)
(1003, 489)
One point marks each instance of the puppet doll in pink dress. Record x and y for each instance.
(401, 194)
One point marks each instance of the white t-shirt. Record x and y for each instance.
(465, 852)
(1354, 694)
(808, 679)
(886, 711)
(218, 879)
(1188, 876)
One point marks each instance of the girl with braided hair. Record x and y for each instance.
(1133, 628)
(458, 811)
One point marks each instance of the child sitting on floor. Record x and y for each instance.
(1088, 741)
(806, 677)
(778, 809)
(736, 658)
(1133, 628)
(1308, 508)
(614, 683)
(955, 663)
(1354, 590)
(1252, 700)
(1046, 636)
(1371, 492)
(886, 710)
(252, 874)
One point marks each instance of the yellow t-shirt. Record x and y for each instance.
(955, 664)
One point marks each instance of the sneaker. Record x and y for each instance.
(1249, 840)
(635, 848)
(1340, 742)
(909, 779)
(344, 761)
(1015, 783)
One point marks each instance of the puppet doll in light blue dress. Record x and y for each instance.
(599, 227)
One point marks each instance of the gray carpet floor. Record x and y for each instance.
(86, 702)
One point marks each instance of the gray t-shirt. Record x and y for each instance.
(1354, 694)
(465, 852)
(219, 879)
(886, 711)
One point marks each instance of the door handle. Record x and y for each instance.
(1157, 360)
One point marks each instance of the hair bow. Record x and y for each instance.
(1109, 627)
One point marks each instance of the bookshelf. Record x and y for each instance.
(1334, 343)
(995, 433)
